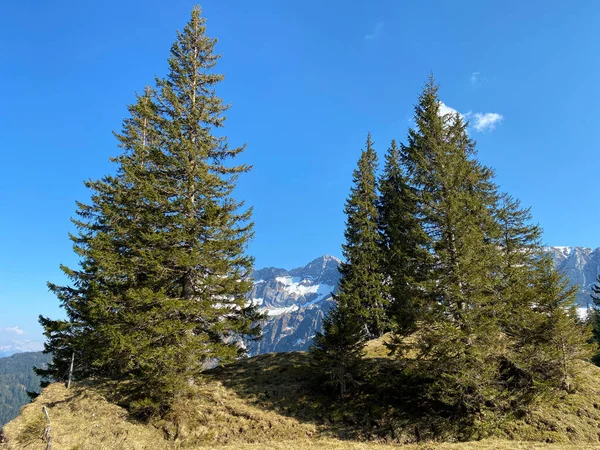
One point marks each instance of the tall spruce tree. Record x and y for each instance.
(460, 343)
(550, 336)
(498, 321)
(538, 315)
(405, 258)
(164, 273)
(362, 289)
(361, 305)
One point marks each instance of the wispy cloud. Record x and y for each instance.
(486, 121)
(15, 340)
(15, 330)
(448, 110)
(18, 346)
(479, 121)
(376, 33)
(474, 77)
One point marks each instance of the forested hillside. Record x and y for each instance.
(16, 378)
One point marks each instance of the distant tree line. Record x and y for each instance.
(16, 380)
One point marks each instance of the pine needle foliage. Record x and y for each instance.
(496, 323)
(338, 351)
(163, 275)
(405, 259)
(361, 303)
(361, 288)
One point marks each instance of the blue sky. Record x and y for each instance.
(306, 81)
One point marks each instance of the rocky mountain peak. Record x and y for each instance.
(297, 300)
(581, 265)
(323, 269)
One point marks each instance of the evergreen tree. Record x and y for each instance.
(596, 292)
(339, 350)
(594, 321)
(550, 336)
(361, 303)
(521, 249)
(540, 311)
(163, 277)
(361, 287)
(404, 244)
(498, 322)
(460, 343)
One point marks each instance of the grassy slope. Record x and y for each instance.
(267, 402)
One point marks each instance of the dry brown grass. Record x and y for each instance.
(269, 402)
(81, 418)
(377, 348)
(343, 445)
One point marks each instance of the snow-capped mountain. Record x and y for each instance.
(297, 300)
(581, 266)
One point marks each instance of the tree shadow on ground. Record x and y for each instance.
(385, 405)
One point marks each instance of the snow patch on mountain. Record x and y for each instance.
(279, 311)
(297, 300)
(581, 266)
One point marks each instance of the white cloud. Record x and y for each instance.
(445, 110)
(474, 77)
(18, 346)
(486, 121)
(479, 121)
(15, 330)
(376, 33)
(15, 340)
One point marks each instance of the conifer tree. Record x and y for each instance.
(460, 342)
(404, 244)
(594, 321)
(339, 350)
(550, 336)
(105, 244)
(361, 287)
(498, 321)
(521, 249)
(163, 277)
(539, 315)
(360, 310)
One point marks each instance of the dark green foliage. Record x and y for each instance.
(361, 287)
(549, 336)
(497, 323)
(16, 380)
(594, 321)
(361, 303)
(163, 274)
(540, 314)
(405, 258)
(460, 344)
(338, 351)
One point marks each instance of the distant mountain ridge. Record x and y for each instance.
(581, 265)
(297, 300)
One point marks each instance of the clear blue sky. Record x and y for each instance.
(306, 81)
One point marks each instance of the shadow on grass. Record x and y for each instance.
(386, 405)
